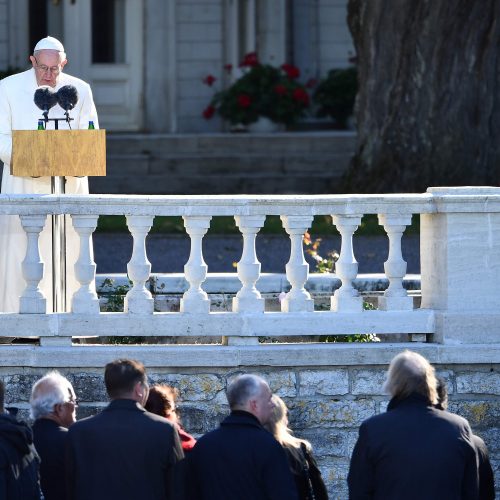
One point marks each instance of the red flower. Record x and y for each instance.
(280, 89)
(209, 80)
(228, 67)
(300, 95)
(208, 112)
(312, 82)
(244, 101)
(291, 71)
(250, 60)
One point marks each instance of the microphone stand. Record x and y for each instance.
(59, 274)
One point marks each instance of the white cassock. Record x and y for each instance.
(19, 112)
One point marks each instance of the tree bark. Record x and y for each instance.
(428, 106)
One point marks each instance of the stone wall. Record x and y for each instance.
(327, 404)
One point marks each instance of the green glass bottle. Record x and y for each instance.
(40, 125)
(91, 125)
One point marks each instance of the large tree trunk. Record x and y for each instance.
(428, 107)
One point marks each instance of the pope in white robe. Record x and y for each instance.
(19, 112)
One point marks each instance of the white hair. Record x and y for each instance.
(62, 55)
(408, 373)
(50, 390)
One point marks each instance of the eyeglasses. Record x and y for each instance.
(55, 70)
(73, 401)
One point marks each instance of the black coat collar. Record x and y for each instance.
(413, 399)
(241, 417)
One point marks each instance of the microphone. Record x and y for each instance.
(45, 99)
(67, 97)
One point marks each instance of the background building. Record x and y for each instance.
(146, 59)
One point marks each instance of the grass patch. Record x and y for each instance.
(322, 225)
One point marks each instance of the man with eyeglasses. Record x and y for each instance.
(53, 406)
(19, 112)
(124, 452)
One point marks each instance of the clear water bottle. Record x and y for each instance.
(40, 125)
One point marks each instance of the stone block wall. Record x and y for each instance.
(327, 404)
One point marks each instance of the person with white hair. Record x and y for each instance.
(53, 407)
(241, 459)
(19, 112)
(414, 450)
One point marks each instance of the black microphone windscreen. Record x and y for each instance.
(44, 98)
(67, 97)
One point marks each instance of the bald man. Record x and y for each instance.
(19, 112)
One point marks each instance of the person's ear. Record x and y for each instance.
(33, 60)
(63, 63)
(139, 390)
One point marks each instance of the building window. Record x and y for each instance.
(108, 31)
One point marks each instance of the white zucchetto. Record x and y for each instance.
(49, 43)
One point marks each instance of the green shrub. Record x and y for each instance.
(335, 95)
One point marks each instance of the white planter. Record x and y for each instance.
(264, 126)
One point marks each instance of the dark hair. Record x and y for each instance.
(161, 400)
(121, 375)
(442, 393)
(2, 395)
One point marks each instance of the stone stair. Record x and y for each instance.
(278, 163)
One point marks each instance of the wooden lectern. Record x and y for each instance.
(58, 154)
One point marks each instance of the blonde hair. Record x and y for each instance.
(277, 425)
(409, 373)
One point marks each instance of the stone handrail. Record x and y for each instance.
(460, 267)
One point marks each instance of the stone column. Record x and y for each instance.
(195, 300)
(139, 299)
(32, 300)
(395, 297)
(85, 298)
(460, 264)
(297, 269)
(346, 298)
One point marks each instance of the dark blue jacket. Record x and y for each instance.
(414, 451)
(239, 460)
(122, 453)
(18, 461)
(50, 443)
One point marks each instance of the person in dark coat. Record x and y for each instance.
(414, 450)
(19, 462)
(124, 452)
(241, 460)
(303, 466)
(486, 477)
(53, 406)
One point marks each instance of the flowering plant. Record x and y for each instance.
(262, 90)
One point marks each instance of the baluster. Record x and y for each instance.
(395, 297)
(85, 299)
(32, 300)
(297, 269)
(346, 298)
(248, 298)
(139, 299)
(195, 300)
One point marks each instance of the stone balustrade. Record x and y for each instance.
(460, 268)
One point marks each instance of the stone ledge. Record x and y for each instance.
(272, 355)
